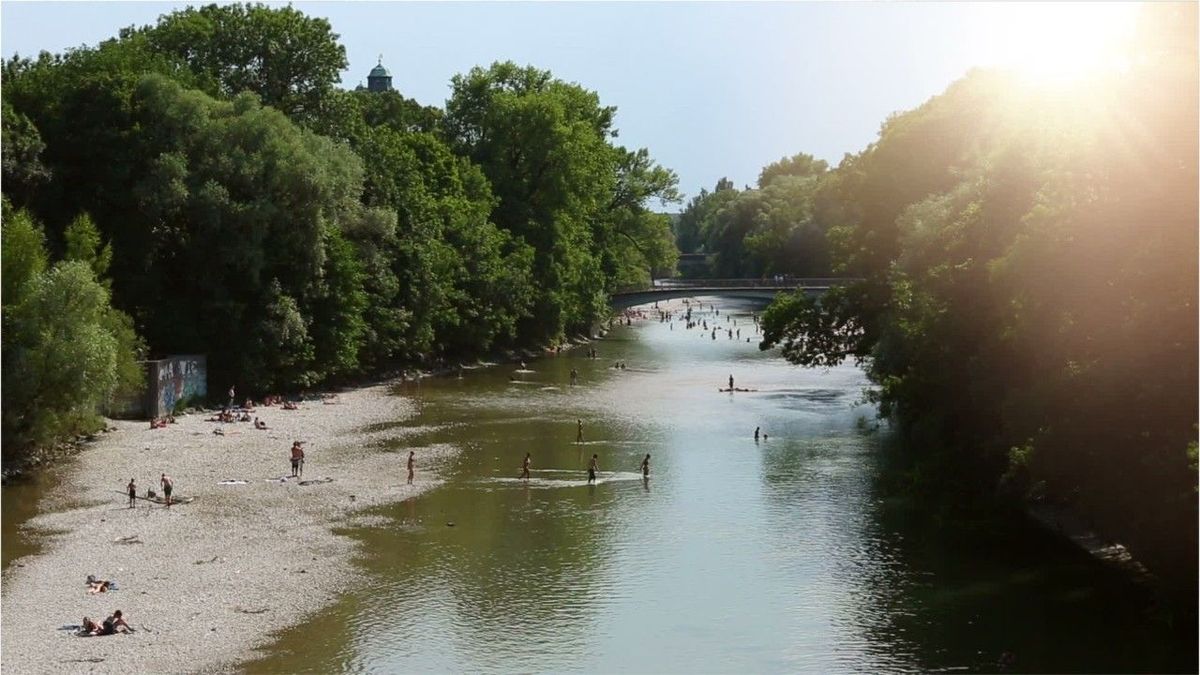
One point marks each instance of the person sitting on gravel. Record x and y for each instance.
(245, 417)
(158, 423)
(90, 628)
(115, 624)
(288, 405)
(259, 424)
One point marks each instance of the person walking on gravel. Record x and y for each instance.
(167, 486)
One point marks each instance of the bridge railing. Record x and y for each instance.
(771, 283)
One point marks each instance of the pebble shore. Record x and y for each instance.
(205, 583)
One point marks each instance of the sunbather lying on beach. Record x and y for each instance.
(98, 585)
(288, 405)
(111, 626)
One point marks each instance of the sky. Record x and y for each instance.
(712, 89)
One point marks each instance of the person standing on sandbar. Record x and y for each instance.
(297, 459)
(167, 486)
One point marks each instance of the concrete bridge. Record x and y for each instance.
(751, 289)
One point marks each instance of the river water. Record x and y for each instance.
(734, 556)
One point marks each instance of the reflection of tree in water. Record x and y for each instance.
(926, 590)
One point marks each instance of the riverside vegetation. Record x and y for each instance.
(294, 232)
(1028, 304)
(1027, 307)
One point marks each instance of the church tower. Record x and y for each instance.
(379, 79)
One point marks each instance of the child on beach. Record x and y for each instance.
(297, 459)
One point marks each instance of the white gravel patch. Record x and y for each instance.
(208, 581)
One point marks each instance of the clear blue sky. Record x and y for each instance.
(712, 89)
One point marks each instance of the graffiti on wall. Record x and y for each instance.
(174, 379)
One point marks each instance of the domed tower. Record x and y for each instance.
(379, 79)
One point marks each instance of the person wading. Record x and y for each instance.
(411, 463)
(525, 466)
(592, 467)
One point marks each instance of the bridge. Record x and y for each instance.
(752, 289)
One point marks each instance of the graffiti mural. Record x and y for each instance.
(174, 379)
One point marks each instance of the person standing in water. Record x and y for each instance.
(756, 433)
(132, 493)
(574, 377)
(525, 466)
(646, 467)
(411, 463)
(579, 432)
(731, 382)
(592, 467)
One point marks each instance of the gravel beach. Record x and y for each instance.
(207, 582)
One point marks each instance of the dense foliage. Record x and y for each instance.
(240, 205)
(67, 352)
(1029, 304)
(778, 228)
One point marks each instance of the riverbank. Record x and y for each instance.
(205, 583)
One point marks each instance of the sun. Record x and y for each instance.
(1056, 44)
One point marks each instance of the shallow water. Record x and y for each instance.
(779, 555)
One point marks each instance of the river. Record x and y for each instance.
(783, 554)
(735, 555)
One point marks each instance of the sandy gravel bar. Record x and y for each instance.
(206, 582)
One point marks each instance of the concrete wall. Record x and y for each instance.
(174, 379)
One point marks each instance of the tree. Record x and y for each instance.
(22, 148)
(559, 185)
(289, 60)
(800, 165)
(66, 351)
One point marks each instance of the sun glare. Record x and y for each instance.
(1057, 44)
